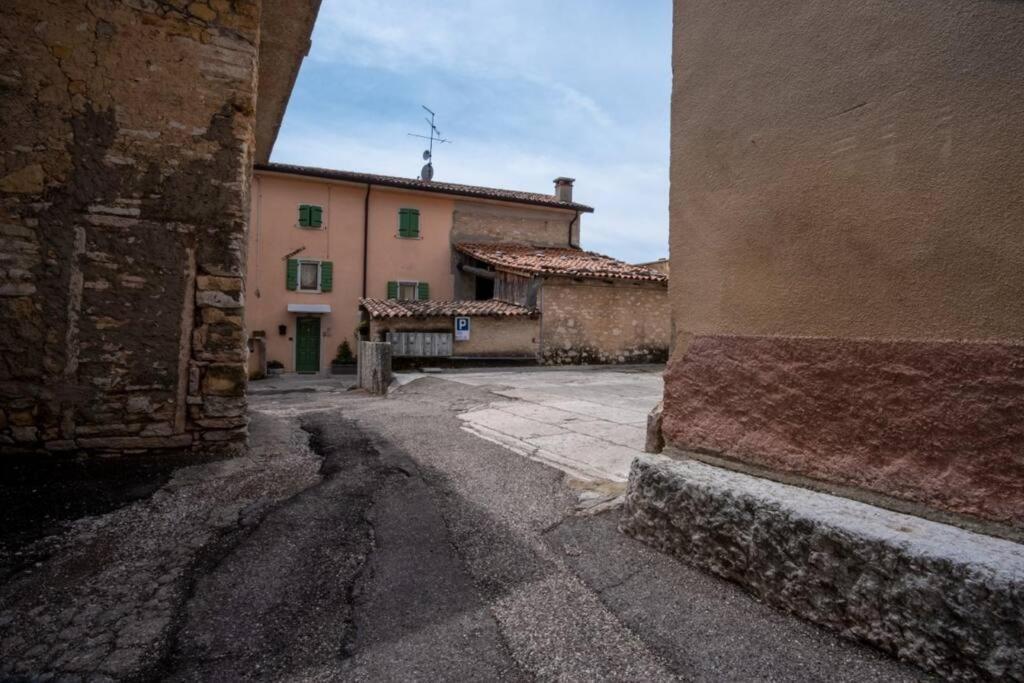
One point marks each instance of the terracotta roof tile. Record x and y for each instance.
(529, 260)
(392, 308)
(517, 196)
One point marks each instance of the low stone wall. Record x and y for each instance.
(593, 321)
(946, 599)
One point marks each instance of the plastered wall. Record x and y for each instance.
(512, 336)
(847, 258)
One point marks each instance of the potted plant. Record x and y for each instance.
(274, 368)
(344, 363)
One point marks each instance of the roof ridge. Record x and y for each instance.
(438, 186)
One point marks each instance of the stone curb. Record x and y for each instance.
(946, 599)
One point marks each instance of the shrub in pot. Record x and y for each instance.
(344, 363)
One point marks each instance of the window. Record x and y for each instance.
(311, 216)
(407, 291)
(309, 276)
(409, 223)
(404, 290)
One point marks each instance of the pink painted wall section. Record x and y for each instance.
(426, 258)
(935, 423)
(274, 234)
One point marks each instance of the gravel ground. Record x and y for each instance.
(105, 601)
(392, 545)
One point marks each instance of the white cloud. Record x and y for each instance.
(526, 90)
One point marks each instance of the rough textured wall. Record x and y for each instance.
(946, 599)
(850, 171)
(126, 150)
(497, 336)
(484, 222)
(590, 321)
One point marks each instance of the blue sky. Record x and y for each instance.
(526, 89)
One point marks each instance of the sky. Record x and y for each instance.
(527, 90)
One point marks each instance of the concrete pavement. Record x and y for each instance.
(589, 423)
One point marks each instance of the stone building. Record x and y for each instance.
(130, 130)
(847, 250)
(329, 247)
(661, 265)
(594, 309)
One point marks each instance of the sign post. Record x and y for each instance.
(461, 328)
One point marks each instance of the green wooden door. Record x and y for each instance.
(307, 345)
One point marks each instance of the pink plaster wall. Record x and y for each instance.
(274, 234)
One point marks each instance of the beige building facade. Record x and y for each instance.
(847, 252)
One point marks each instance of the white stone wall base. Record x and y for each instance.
(946, 599)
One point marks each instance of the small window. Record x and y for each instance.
(409, 223)
(309, 276)
(311, 216)
(408, 291)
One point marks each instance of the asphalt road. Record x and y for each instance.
(369, 539)
(427, 553)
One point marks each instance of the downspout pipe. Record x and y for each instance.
(572, 223)
(366, 234)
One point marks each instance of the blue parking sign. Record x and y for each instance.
(461, 328)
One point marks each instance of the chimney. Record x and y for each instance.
(563, 189)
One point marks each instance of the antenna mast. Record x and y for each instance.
(427, 172)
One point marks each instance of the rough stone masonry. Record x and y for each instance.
(125, 158)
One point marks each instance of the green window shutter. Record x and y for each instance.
(291, 277)
(408, 222)
(316, 216)
(326, 276)
(424, 291)
(304, 213)
(392, 290)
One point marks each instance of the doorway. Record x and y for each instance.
(307, 345)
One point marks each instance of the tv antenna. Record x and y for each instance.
(427, 172)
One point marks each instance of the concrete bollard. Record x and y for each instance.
(375, 366)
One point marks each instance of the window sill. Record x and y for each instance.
(418, 237)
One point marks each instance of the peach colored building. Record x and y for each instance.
(337, 255)
(322, 240)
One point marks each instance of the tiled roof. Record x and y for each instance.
(529, 260)
(427, 186)
(392, 308)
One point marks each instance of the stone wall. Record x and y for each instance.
(511, 336)
(125, 158)
(946, 599)
(484, 222)
(593, 321)
(847, 257)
